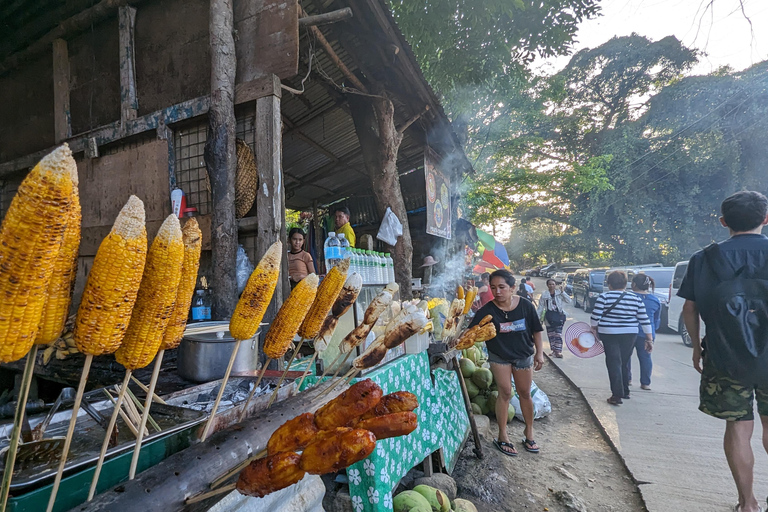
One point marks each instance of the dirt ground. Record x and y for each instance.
(574, 458)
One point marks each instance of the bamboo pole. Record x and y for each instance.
(145, 414)
(105, 444)
(253, 391)
(10, 458)
(210, 494)
(209, 423)
(70, 431)
(282, 377)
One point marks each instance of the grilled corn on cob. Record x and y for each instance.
(258, 293)
(113, 282)
(59, 295)
(459, 292)
(344, 301)
(30, 240)
(290, 316)
(157, 294)
(326, 295)
(469, 300)
(193, 243)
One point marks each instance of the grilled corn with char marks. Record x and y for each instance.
(258, 293)
(193, 243)
(326, 295)
(289, 317)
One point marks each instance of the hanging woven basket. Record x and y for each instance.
(246, 179)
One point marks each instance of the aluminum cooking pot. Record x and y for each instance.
(204, 357)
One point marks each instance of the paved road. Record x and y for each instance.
(674, 450)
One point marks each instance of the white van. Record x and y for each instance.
(675, 313)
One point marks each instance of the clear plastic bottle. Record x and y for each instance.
(355, 262)
(390, 268)
(344, 246)
(383, 268)
(369, 277)
(331, 250)
(379, 274)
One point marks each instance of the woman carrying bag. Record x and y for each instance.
(552, 314)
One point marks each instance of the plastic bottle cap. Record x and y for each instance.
(331, 233)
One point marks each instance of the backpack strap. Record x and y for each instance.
(721, 267)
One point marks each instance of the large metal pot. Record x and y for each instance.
(204, 357)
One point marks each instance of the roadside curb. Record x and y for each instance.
(602, 430)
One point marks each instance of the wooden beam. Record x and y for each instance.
(67, 28)
(323, 19)
(113, 132)
(221, 160)
(61, 114)
(270, 200)
(129, 104)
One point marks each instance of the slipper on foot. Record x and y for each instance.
(530, 445)
(737, 508)
(614, 400)
(502, 444)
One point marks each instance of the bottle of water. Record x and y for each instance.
(379, 273)
(368, 279)
(344, 246)
(390, 268)
(331, 251)
(383, 268)
(357, 262)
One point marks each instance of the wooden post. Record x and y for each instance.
(129, 104)
(318, 236)
(374, 119)
(270, 201)
(220, 159)
(61, 118)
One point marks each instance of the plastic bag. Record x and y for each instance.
(390, 228)
(541, 404)
(243, 269)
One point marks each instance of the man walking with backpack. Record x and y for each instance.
(727, 284)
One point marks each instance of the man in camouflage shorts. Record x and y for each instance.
(721, 394)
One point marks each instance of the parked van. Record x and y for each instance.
(587, 286)
(675, 305)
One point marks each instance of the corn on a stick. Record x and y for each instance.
(257, 295)
(326, 296)
(193, 244)
(110, 427)
(10, 457)
(145, 413)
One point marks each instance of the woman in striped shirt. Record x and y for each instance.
(615, 321)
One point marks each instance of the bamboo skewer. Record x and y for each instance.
(138, 410)
(306, 372)
(330, 366)
(282, 377)
(130, 407)
(253, 391)
(209, 423)
(341, 366)
(144, 388)
(10, 459)
(125, 417)
(145, 414)
(232, 472)
(210, 494)
(334, 384)
(70, 430)
(105, 444)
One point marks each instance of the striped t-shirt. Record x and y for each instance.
(624, 318)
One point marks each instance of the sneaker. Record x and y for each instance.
(647, 388)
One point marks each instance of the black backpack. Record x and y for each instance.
(735, 312)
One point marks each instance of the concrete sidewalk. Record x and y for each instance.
(672, 449)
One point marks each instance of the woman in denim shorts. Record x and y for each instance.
(514, 353)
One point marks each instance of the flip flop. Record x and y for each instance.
(737, 508)
(529, 444)
(501, 445)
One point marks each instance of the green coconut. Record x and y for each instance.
(409, 500)
(483, 378)
(492, 397)
(511, 412)
(476, 410)
(437, 499)
(464, 505)
(467, 367)
(472, 389)
(482, 402)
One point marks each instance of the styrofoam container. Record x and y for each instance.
(417, 343)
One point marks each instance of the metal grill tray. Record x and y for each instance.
(88, 437)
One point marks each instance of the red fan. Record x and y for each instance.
(582, 342)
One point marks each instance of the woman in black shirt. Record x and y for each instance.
(514, 353)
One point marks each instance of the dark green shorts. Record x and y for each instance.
(722, 397)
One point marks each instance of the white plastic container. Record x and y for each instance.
(417, 343)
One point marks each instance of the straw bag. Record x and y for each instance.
(246, 179)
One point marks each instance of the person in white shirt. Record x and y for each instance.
(552, 314)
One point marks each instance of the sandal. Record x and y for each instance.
(502, 444)
(559, 355)
(737, 508)
(614, 400)
(530, 445)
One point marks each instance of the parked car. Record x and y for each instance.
(546, 269)
(560, 276)
(569, 284)
(534, 272)
(675, 306)
(587, 286)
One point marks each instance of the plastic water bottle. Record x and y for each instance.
(369, 277)
(356, 262)
(344, 246)
(383, 268)
(390, 268)
(379, 273)
(331, 250)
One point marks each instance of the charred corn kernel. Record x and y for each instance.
(326, 295)
(290, 316)
(258, 293)
(30, 239)
(157, 295)
(193, 243)
(470, 299)
(459, 292)
(59, 295)
(47, 354)
(113, 282)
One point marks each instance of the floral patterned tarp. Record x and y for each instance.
(443, 423)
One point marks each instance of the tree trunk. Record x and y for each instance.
(374, 119)
(221, 160)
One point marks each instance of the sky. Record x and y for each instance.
(721, 30)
